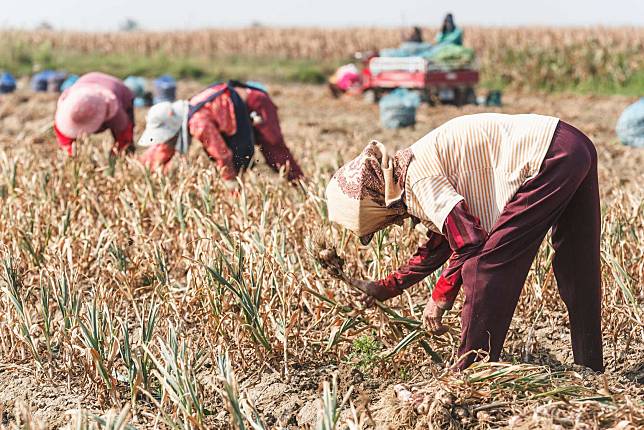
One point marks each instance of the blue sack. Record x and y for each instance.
(55, 81)
(40, 79)
(139, 87)
(48, 80)
(165, 89)
(398, 108)
(257, 85)
(630, 125)
(7, 83)
(136, 84)
(71, 80)
(407, 49)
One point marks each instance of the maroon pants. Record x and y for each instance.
(564, 196)
(268, 135)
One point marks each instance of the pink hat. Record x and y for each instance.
(83, 108)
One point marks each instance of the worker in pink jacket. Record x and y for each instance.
(96, 102)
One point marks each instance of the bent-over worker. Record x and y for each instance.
(489, 187)
(228, 119)
(96, 102)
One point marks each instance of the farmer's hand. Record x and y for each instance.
(158, 156)
(432, 318)
(232, 186)
(371, 291)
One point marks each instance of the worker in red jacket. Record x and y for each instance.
(228, 119)
(96, 102)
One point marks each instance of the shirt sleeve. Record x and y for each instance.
(65, 143)
(203, 128)
(269, 126)
(125, 138)
(436, 197)
(119, 123)
(429, 257)
(466, 237)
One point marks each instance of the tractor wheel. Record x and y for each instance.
(336, 92)
(432, 97)
(470, 96)
(369, 96)
(459, 97)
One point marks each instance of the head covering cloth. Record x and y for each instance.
(366, 194)
(448, 24)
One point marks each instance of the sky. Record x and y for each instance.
(188, 14)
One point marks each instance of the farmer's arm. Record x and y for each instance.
(269, 124)
(122, 127)
(428, 257)
(65, 143)
(158, 156)
(203, 128)
(466, 237)
(124, 138)
(436, 197)
(445, 207)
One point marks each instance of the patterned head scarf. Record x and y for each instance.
(366, 194)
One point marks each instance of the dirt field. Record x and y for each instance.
(93, 250)
(326, 131)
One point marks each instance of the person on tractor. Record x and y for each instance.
(449, 34)
(228, 119)
(416, 35)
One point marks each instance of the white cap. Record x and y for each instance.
(163, 122)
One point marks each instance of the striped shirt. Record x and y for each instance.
(482, 159)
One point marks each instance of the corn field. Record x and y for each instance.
(129, 299)
(524, 57)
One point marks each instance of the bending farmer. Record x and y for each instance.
(96, 102)
(489, 187)
(228, 119)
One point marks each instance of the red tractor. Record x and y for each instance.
(442, 83)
